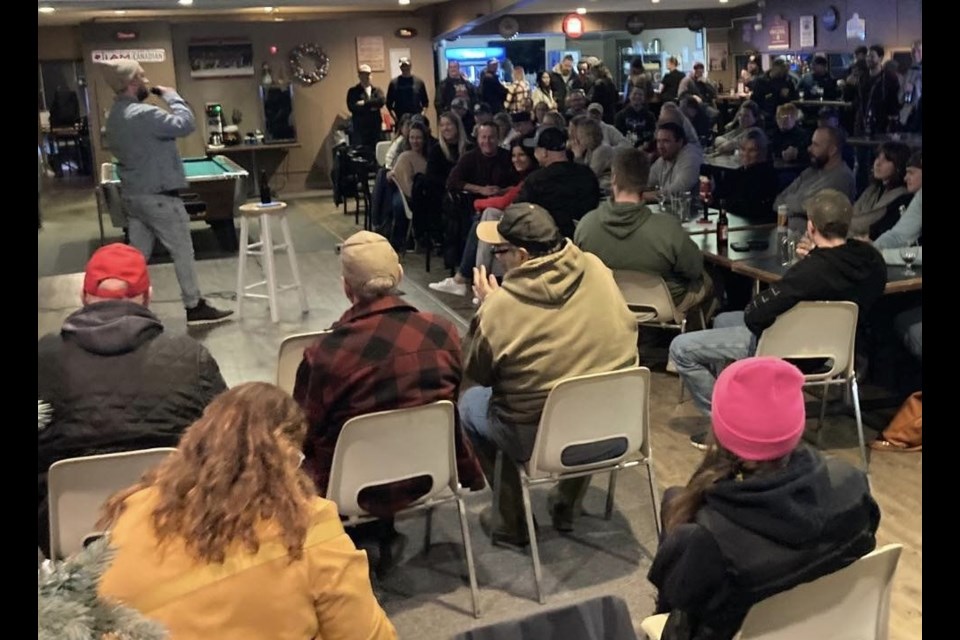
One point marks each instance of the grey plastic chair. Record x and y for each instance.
(290, 356)
(579, 411)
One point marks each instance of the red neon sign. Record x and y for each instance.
(573, 26)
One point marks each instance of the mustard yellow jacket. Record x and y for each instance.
(325, 595)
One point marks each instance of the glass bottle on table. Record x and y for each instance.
(723, 228)
(706, 195)
(783, 236)
(264, 188)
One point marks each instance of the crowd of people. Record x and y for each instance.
(531, 215)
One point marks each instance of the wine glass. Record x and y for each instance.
(908, 254)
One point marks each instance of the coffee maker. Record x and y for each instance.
(214, 112)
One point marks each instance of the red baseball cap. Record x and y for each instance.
(121, 262)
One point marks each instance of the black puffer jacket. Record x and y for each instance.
(116, 382)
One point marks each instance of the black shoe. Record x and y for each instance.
(699, 440)
(391, 551)
(560, 513)
(205, 314)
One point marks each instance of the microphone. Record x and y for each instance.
(156, 91)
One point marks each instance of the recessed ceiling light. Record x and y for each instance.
(185, 3)
(119, 12)
(404, 2)
(278, 19)
(268, 9)
(582, 10)
(45, 9)
(724, 1)
(655, 1)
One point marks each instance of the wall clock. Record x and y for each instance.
(695, 21)
(508, 27)
(830, 18)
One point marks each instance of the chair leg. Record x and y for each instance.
(855, 393)
(266, 235)
(654, 497)
(823, 408)
(497, 470)
(534, 549)
(468, 551)
(428, 531)
(292, 257)
(242, 266)
(611, 490)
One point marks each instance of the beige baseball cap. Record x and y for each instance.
(365, 256)
(119, 73)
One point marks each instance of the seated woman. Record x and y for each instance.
(908, 230)
(409, 164)
(750, 190)
(586, 143)
(789, 140)
(698, 116)
(543, 92)
(384, 190)
(880, 205)
(441, 159)
(747, 117)
(227, 538)
(476, 253)
(763, 512)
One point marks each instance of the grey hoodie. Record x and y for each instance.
(627, 235)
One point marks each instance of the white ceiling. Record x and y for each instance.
(77, 11)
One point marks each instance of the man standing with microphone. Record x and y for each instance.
(143, 139)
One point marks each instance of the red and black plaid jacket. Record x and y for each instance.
(379, 356)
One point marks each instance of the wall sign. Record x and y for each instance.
(140, 55)
(220, 59)
(806, 32)
(370, 51)
(779, 34)
(125, 35)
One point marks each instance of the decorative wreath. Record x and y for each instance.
(321, 63)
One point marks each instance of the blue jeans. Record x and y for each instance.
(164, 218)
(701, 355)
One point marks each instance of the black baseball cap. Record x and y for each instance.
(523, 225)
(549, 138)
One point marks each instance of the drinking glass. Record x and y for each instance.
(908, 254)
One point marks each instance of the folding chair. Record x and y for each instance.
(579, 411)
(853, 602)
(290, 356)
(389, 446)
(78, 487)
(409, 213)
(822, 330)
(381, 152)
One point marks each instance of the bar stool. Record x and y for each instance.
(266, 248)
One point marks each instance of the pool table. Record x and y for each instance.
(216, 189)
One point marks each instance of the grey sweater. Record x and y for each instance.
(678, 176)
(808, 183)
(143, 139)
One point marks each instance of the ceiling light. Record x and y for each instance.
(45, 9)
(119, 12)
(655, 1)
(278, 19)
(404, 2)
(268, 9)
(724, 1)
(185, 3)
(582, 10)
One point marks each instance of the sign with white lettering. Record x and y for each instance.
(779, 34)
(139, 55)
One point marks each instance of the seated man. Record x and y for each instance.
(611, 135)
(826, 171)
(114, 380)
(750, 190)
(520, 348)
(836, 269)
(566, 189)
(635, 120)
(677, 170)
(624, 234)
(382, 354)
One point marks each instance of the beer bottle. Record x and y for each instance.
(723, 228)
(264, 188)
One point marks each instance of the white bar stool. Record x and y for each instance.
(266, 248)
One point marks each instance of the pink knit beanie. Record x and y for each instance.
(758, 409)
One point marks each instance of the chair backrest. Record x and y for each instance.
(648, 297)
(78, 487)
(379, 448)
(290, 357)
(821, 329)
(852, 603)
(592, 408)
(381, 151)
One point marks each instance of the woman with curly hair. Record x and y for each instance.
(227, 539)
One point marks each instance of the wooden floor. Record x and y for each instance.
(896, 478)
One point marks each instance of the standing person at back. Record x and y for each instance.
(454, 86)
(670, 82)
(492, 91)
(518, 92)
(143, 139)
(407, 93)
(364, 102)
(114, 379)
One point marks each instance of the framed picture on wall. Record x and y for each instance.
(220, 59)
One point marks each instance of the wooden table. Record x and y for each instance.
(729, 257)
(735, 222)
(729, 162)
(768, 269)
(912, 140)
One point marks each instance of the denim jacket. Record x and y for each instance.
(143, 139)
